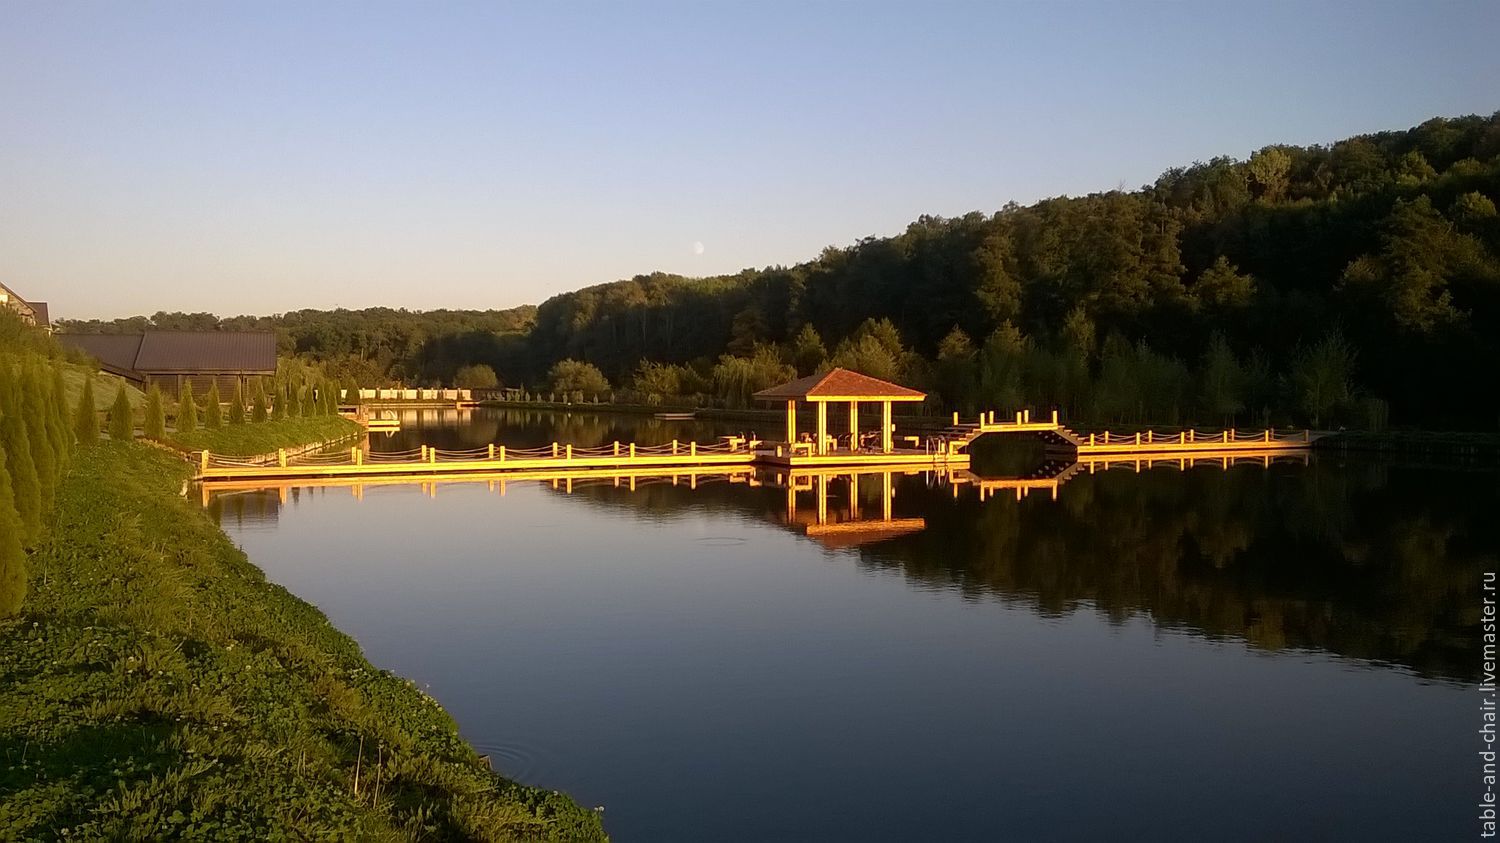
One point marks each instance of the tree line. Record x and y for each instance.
(1349, 283)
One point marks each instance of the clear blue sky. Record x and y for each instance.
(263, 157)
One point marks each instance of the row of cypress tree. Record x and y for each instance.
(37, 441)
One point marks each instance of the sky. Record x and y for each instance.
(271, 156)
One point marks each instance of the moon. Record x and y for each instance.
(698, 247)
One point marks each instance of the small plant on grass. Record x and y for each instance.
(187, 409)
(237, 404)
(156, 415)
(213, 414)
(121, 421)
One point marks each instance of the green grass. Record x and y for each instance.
(254, 438)
(105, 387)
(157, 686)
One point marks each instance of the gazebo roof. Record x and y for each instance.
(839, 385)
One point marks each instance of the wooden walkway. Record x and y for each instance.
(948, 450)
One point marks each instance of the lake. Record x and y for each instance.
(1253, 653)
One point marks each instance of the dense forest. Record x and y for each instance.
(1356, 283)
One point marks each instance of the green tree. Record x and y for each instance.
(258, 412)
(213, 411)
(12, 551)
(64, 422)
(575, 376)
(237, 404)
(1322, 376)
(187, 409)
(476, 376)
(280, 402)
(657, 381)
(17, 445)
(351, 391)
(155, 425)
(808, 350)
(36, 414)
(1221, 387)
(1222, 286)
(85, 417)
(956, 369)
(121, 419)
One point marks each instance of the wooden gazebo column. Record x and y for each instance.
(822, 427)
(853, 425)
(885, 426)
(791, 422)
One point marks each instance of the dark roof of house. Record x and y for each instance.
(207, 351)
(839, 384)
(39, 308)
(113, 351)
(240, 352)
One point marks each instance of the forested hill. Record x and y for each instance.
(1323, 283)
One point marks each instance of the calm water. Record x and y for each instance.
(1245, 654)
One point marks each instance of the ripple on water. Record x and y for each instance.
(720, 541)
(514, 761)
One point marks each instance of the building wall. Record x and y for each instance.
(171, 383)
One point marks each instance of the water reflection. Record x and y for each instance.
(1369, 561)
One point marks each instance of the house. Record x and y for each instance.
(171, 358)
(31, 312)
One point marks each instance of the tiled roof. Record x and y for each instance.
(839, 383)
(242, 352)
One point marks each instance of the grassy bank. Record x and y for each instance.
(157, 686)
(265, 437)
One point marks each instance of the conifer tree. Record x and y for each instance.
(66, 438)
(258, 403)
(237, 404)
(293, 401)
(305, 401)
(156, 415)
(35, 413)
(12, 552)
(187, 409)
(85, 418)
(213, 414)
(351, 393)
(121, 421)
(25, 484)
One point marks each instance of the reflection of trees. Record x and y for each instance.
(521, 428)
(1325, 557)
(1365, 561)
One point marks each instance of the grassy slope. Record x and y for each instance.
(156, 685)
(264, 437)
(105, 387)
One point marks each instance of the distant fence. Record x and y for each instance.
(412, 394)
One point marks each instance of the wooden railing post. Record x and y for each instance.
(1054, 416)
(281, 457)
(674, 447)
(1137, 437)
(617, 448)
(204, 459)
(500, 453)
(554, 450)
(568, 451)
(955, 419)
(1268, 434)
(632, 450)
(693, 449)
(491, 453)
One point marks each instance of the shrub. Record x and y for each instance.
(187, 409)
(121, 420)
(213, 413)
(156, 415)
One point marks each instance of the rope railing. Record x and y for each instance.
(1195, 436)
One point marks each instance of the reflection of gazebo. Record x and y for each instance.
(839, 385)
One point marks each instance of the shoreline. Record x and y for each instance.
(160, 686)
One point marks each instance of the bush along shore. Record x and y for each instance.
(156, 685)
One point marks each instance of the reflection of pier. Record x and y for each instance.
(1054, 473)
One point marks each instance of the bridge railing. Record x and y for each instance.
(489, 453)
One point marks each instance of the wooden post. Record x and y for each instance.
(1192, 436)
(1054, 421)
(204, 461)
(853, 425)
(1306, 435)
(1091, 439)
(886, 494)
(791, 422)
(492, 450)
(1268, 434)
(617, 448)
(822, 428)
(568, 454)
(500, 453)
(693, 449)
(354, 456)
(674, 447)
(1182, 438)
(1026, 415)
(1137, 437)
(885, 426)
(632, 450)
(432, 458)
(1018, 417)
(955, 419)
(281, 457)
(554, 450)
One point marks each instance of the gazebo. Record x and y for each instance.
(839, 385)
